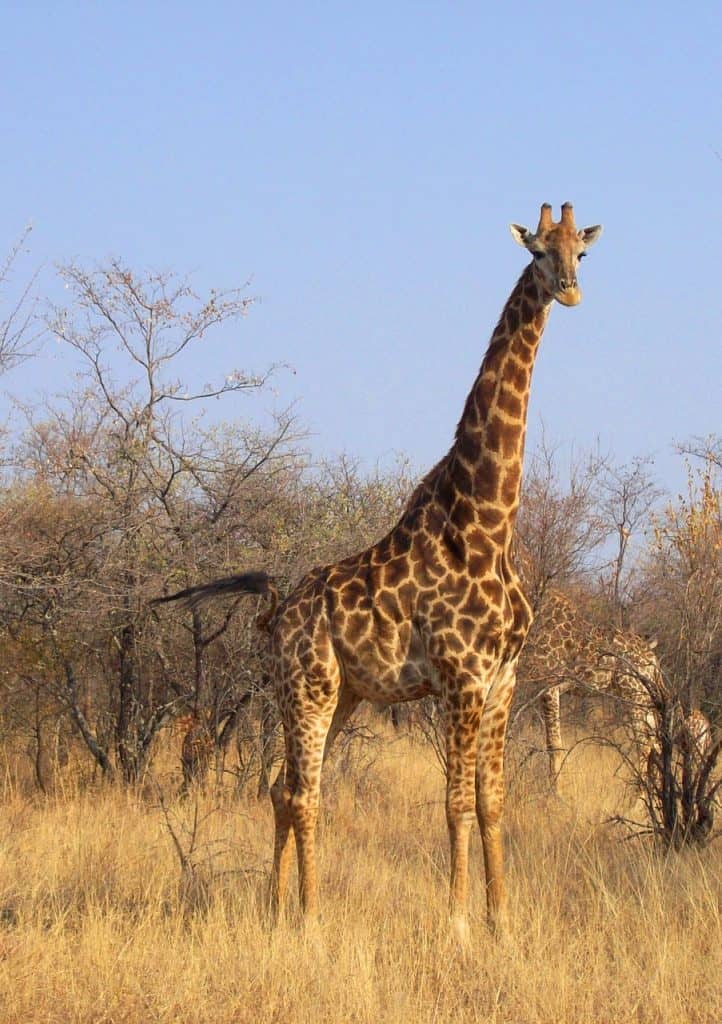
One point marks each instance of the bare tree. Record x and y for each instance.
(677, 781)
(558, 528)
(708, 449)
(19, 330)
(680, 589)
(627, 494)
(146, 495)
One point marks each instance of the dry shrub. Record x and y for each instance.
(92, 927)
(679, 788)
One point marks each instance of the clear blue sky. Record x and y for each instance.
(360, 165)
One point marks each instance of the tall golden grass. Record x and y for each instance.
(99, 924)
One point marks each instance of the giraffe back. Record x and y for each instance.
(563, 648)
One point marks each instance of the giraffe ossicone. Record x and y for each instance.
(435, 606)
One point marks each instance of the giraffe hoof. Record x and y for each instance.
(498, 927)
(314, 938)
(460, 930)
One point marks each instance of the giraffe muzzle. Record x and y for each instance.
(568, 294)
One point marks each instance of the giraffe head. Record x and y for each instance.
(557, 250)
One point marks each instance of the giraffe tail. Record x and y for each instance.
(245, 583)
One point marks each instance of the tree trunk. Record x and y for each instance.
(98, 752)
(126, 726)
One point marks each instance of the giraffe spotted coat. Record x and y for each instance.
(435, 606)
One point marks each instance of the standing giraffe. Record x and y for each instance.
(434, 607)
(565, 652)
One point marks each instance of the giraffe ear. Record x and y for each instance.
(521, 235)
(590, 235)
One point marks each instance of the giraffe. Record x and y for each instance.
(434, 607)
(695, 735)
(564, 651)
(677, 788)
(197, 748)
(690, 733)
(207, 731)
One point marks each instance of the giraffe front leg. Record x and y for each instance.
(552, 725)
(462, 731)
(490, 792)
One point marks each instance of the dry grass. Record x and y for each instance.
(97, 925)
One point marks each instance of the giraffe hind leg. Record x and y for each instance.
(304, 807)
(267, 746)
(282, 850)
(348, 701)
(282, 793)
(296, 795)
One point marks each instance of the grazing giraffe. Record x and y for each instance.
(690, 733)
(196, 749)
(678, 788)
(208, 731)
(435, 606)
(566, 652)
(696, 736)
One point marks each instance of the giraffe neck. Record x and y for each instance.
(485, 462)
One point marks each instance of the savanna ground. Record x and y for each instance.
(98, 923)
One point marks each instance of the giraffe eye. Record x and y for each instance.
(581, 256)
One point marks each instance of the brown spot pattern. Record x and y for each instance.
(433, 606)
